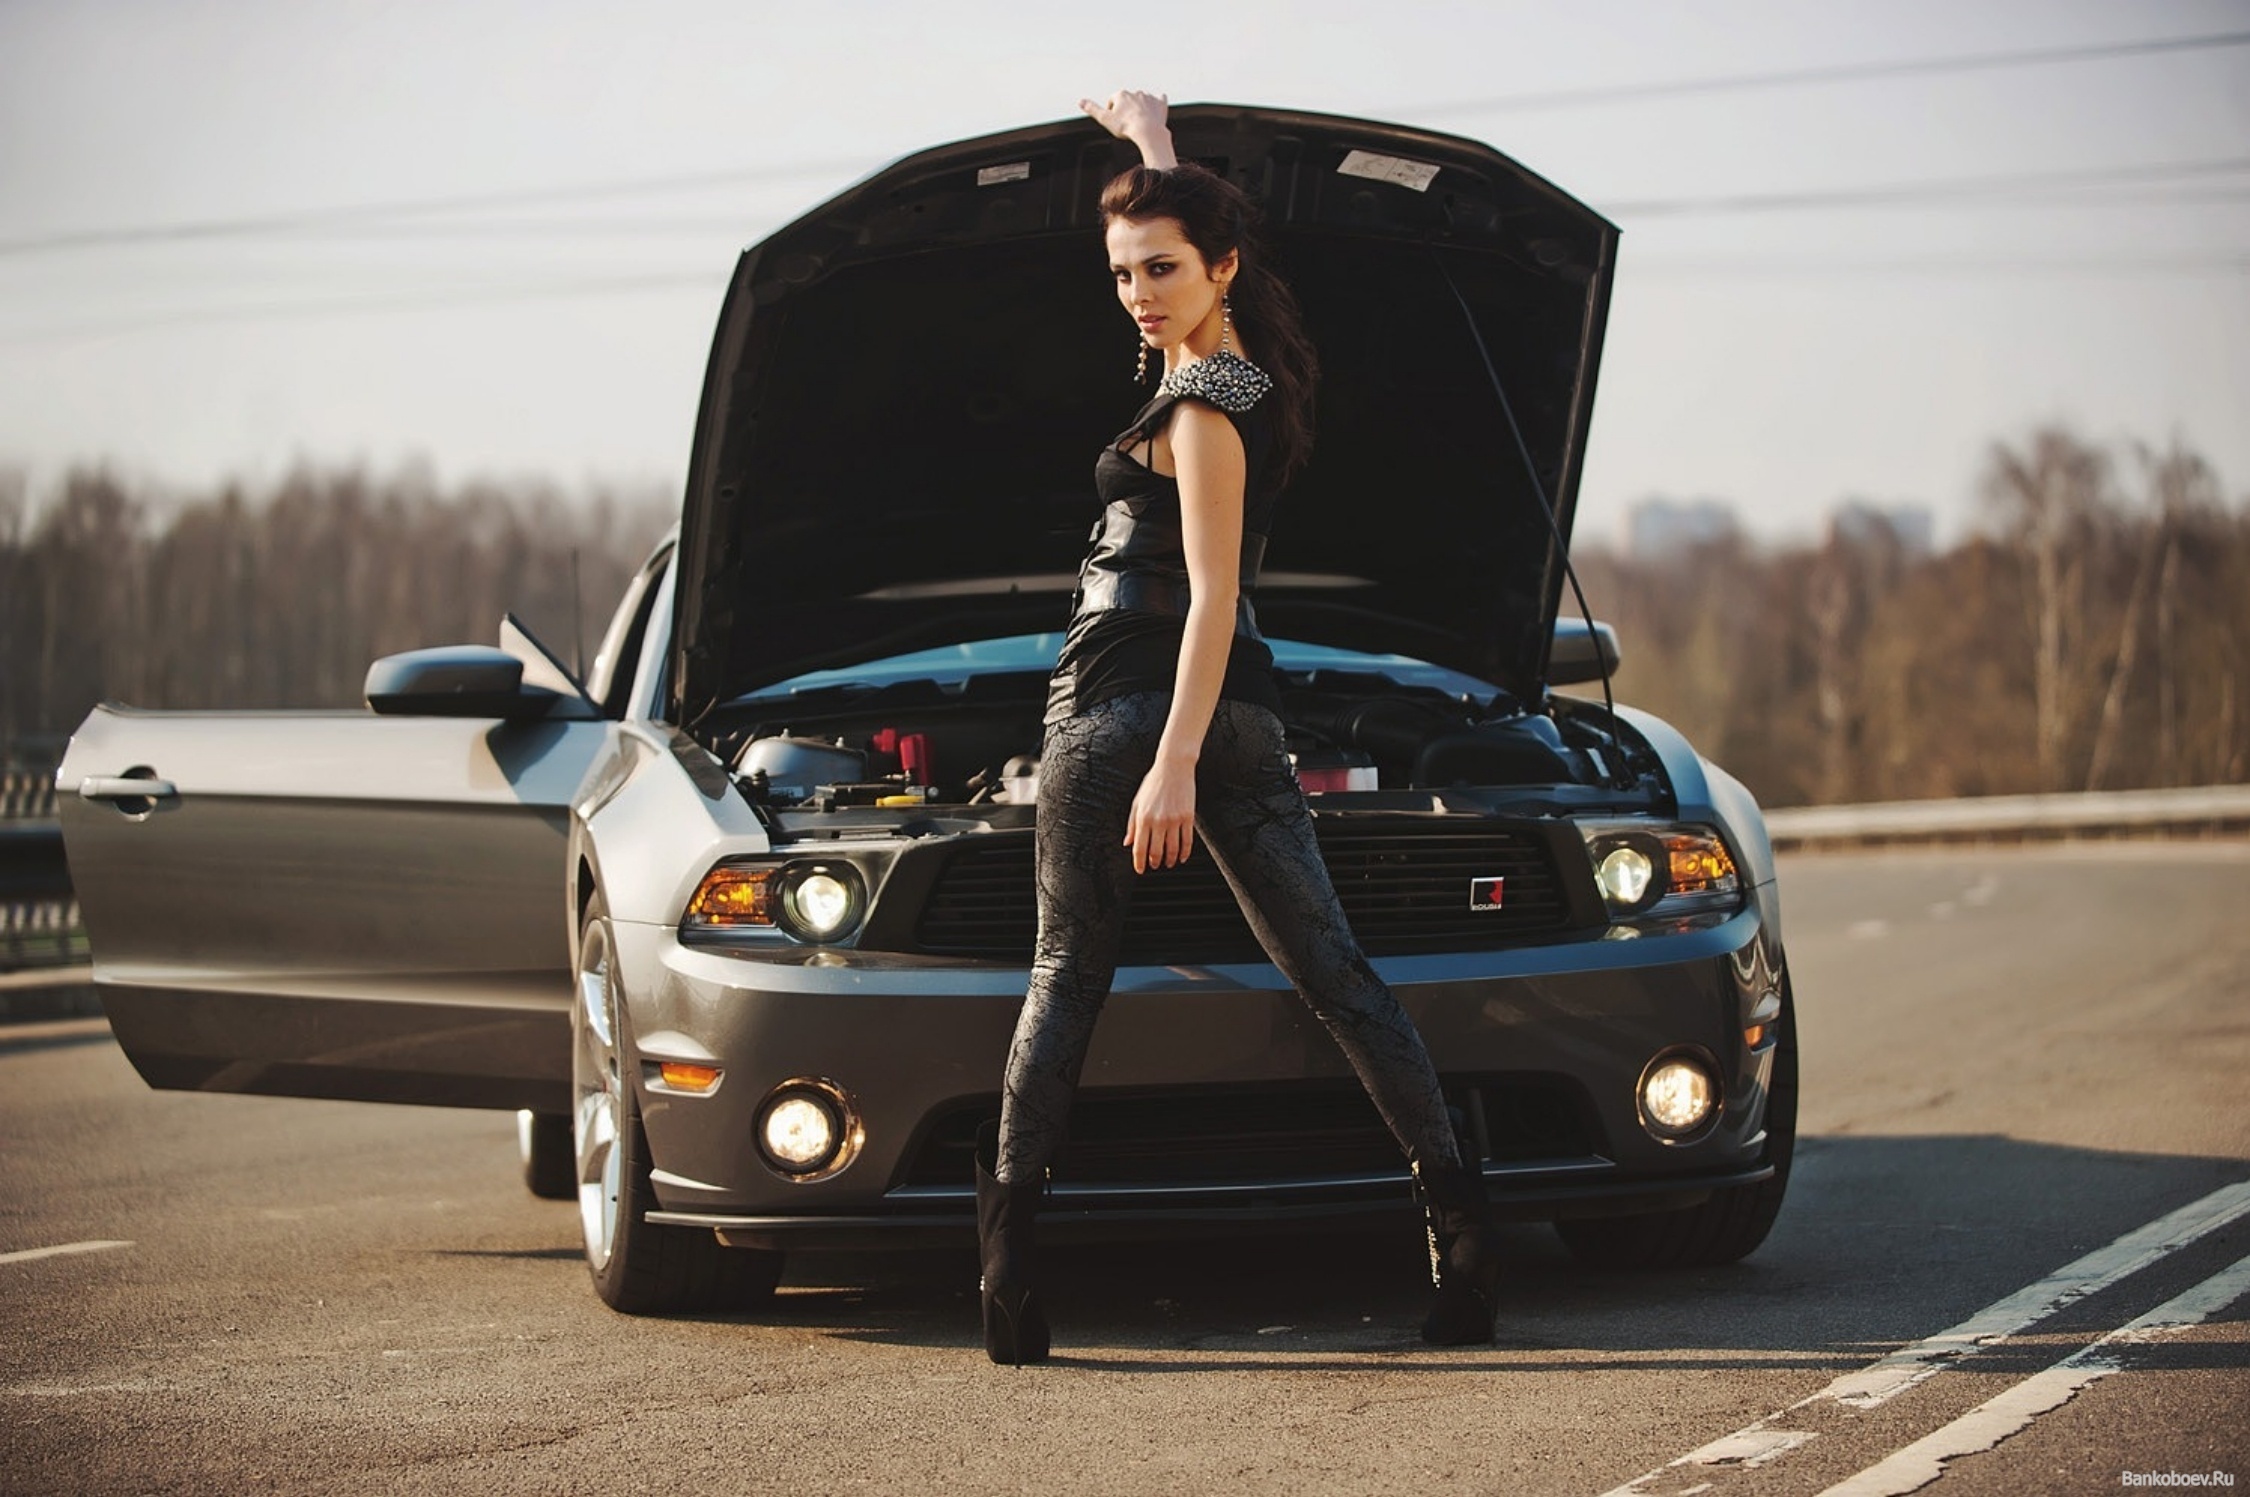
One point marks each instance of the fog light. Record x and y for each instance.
(800, 1133)
(806, 1130)
(1679, 1095)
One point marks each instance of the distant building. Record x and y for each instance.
(1658, 528)
(1907, 526)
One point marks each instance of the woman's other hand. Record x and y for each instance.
(1130, 114)
(1161, 828)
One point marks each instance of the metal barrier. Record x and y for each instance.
(27, 795)
(2198, 811)
(39, 922)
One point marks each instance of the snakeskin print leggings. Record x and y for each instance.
(1251, 818)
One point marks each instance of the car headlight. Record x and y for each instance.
(820, 902)
(1661, 869)
(1625, 873)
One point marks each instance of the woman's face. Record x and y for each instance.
(1164, 285)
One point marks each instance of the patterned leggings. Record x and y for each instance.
(1251, 818)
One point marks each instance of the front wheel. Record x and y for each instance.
(1730, 1225)
(639, 1267)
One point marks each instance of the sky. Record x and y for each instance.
(490, 237)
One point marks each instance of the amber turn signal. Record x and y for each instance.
(681, 1076)
(1699, 865)
(731, 895)
(1753, 1035)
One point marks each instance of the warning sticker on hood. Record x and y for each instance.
(1415, 174)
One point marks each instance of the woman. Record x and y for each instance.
(1163, 721)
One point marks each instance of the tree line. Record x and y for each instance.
(2092, 634)
(282, 598)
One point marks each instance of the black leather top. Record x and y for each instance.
(1129, 613)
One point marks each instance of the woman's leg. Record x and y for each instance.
(1090, 766)
(1253, 818)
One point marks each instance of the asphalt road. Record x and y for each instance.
(2013, 1063)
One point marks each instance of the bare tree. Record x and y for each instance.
(2046, 499)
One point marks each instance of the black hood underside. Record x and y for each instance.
(909, 386)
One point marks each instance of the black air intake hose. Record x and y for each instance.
(1391, 729)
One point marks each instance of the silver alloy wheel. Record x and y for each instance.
(599, 1088)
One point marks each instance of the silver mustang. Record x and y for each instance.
(740, 923)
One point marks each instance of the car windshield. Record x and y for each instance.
(951, 665)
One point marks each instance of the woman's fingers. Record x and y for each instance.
(1126, 110)
(1159, 842)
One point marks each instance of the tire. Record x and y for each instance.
(1733, 1222)
(639, 1267)
(550, 1162)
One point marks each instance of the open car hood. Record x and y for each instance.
(910, 383)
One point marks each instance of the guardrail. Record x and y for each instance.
(27, 795)
(39, 923)
(2199, 811)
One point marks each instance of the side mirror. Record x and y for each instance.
(455, 681)
(1581, 652)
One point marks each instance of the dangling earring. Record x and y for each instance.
(1226, 321)
(1140, 365)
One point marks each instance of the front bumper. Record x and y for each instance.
(918, 1045)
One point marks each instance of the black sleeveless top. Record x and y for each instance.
(1130, 613)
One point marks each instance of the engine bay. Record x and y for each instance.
(1358, 740)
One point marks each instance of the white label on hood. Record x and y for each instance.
(1415, 174)
(993, 176)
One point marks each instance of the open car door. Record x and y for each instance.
(335, 903)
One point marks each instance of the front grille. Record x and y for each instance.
(1271, 1134)
(1405, 890)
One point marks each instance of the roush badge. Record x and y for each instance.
(1484, 893)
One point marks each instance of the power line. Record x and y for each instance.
(1571, 98)
(2165, 183)
(2064, 190)
(318, 218)
(1944, 265)
(564, 290)
(1912, 193)
(297, 221)
(2224, 263)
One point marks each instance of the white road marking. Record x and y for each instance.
(2128, 1255)
(2009, 1413)
(25, 1255)
(1883, 1380)
(1866, 930)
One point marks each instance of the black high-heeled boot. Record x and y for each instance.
(1464, 1256)
(1015, 1323)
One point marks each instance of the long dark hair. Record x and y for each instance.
(1218, 217)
